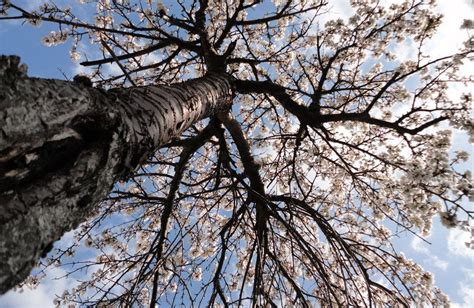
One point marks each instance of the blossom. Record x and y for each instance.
(467, 24)
(197, 274)
(75, 56)
(448, 219)
(195, 252)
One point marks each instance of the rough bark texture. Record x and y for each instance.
(64, 144)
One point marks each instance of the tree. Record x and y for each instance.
(318, 146)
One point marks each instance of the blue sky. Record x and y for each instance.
(25, 41)
(447, 256)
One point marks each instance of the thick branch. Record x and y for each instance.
(145, 51)
(308, 116)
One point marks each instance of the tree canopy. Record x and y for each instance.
(332, 146)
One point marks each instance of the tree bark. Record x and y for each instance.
(64, 144)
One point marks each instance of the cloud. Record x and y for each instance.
(421, 247)
(466, 290)
(439, 263)
(42, 296)
(336, 9)
(449, 36)
(457, 244)
(48, 288)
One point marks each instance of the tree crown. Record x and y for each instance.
(333, 146)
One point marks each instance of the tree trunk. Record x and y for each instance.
(64, 144)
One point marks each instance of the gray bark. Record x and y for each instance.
(64, 144)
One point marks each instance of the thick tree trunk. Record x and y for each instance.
(64, 144)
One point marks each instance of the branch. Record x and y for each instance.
(29, 15)
(110, 50)
(309, 117)
(142, 52)
(278, 15)
(193, 145)
(251, 170)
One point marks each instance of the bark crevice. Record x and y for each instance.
(64, 144)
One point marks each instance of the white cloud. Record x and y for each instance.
(421, 247)
(53, 284)
(336, 9)
(457, 244)
(439, 263)
(42, 296)
(466, 290)
(450, 37)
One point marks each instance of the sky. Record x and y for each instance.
(446, 254)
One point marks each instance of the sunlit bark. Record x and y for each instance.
(64, 144)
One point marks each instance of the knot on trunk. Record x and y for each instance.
(11, 70)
